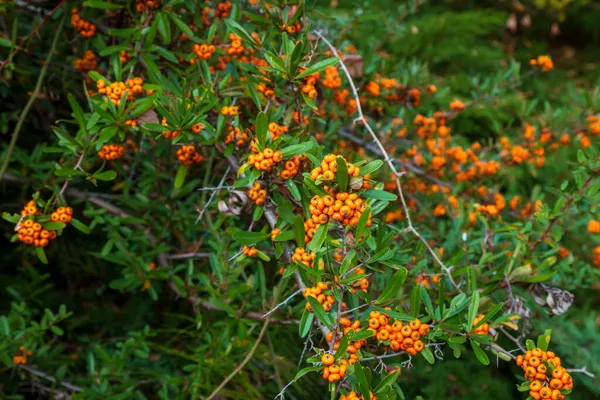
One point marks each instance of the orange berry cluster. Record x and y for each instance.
(249, 251)
(482, 329)
(291, 167)
(124, 56)
(111, 152)
(293, 28)
(328, 168)
(542, 62)
(354, 396)
(115, 90)
(236, 48)
(424, 281)
(169, 134)
(21, 358)
(85, 28)
(333, 372)
(547, 376)
(62, 214)
(143, 5)
(274, 233)
(230, 110)
(223, 9)
(197, 128)
(345, 208)
(257, 193)
(203, 52)
(402, 337)
(332, 78)
(277, 130)
(265, 160)
(353, 347)
(393, 216)
(31, 232)
(236, 135)
(87, 63)
(317, 292)
(187, 155)
(457, 105)
(265, 89)
(362, 284)
(304, 257)
(309, 83)
(597, 256)
(30, 209)
(373, 88)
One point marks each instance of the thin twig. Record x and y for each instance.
(41, 374)
(282, 303)
(212, 195)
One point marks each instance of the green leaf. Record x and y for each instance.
(341, 350)
(457, 339)
(363, 334)
(479, 353)
(180, 176)
(80, 226)
(379, 195)
(320, 312)
(428, 355)
(299, 230)
(393, 286)
(247, 238)
(342, 174)
(530, 344)
(56, 330)
(101, 4)
(427, 301)
(361, 379)
(415, 301)
(106, 175)
(261, 128)
(362, 223)
(4, 325)
(490, 314)
(385, 382)
(275, 61)
(524, 387)
(54, 226)
(183, 26)
(293, 189)
(544, 340)
(347, 262)
(296, 149)
(306, 323)
(5, 42)
(473, 307)
(39, 251)
(306, 370)
(318, 67)
(91, 362)
(319, 238)
(370, 167)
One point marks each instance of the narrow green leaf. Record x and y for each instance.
(106, 175)
(479, 353)
(415, 301)
(393, 287)
(318, 67)
(428, 355)
(305, 323)
(342, 174)
(320, 312)
(379, 195)
(299, 230)
(180, 176)
(473, 307)
(370, 167)
(39, 251)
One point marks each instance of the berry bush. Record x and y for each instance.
(299, 199)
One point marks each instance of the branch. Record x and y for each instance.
(41, 374)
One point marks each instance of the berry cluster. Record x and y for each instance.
(332, 78)
(291, 167)
(236, 48)
(304, 257)
(86, 63)
(345, 208)
(277, 130)
(146, 5)
(257, 193)
(232, 111)
(124, 56)
(265, 89)
(482, 329)
(353, 347)
(328, 168)
(249, 251)
(169, 134)
(187, 155)
(317, 292)
(197, 128)
(223, 9)
(274, 233)
(547, 376)
(544, 63)
(236, 135)
(333, 372)
(62, 214)
(111, 152)
(593, 226)
(31, 232)
(203, 52)
(21, 358)
(85, 28)
(292, 28)
(114, 91)
(264, 161)
(30, 209)
(354, 396)
(401, 337)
